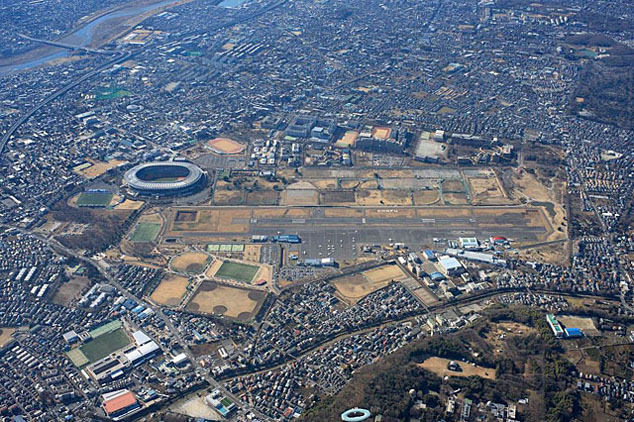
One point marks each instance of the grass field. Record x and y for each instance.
(237, 271)
(94, 199)
(145, 232)
(105, 344)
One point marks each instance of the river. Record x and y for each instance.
(82, 36)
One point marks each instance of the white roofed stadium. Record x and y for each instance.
(169, 178)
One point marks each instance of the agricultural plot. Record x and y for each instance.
(233, 302)
(145, 232)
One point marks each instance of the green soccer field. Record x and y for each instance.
(105, 344)
(145, 232)
(237, 271)
(94, 199)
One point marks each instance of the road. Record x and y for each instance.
(59, 248)
(68, 46)
(7, 135)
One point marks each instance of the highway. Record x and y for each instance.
(9, 133)
(68, 46)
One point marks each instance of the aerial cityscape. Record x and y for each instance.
(317, 210)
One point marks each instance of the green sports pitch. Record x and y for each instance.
(94, 199)
(99, 347)
(145, 232)
(237, 271)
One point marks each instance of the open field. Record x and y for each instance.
(94, 199)
(226, 146)
(237, 271)
(355, 287)
(486, 190)
(98, 168)
(5, 334)
(99, 347)
(129, 204)
(145, 232)
(190, 262)
(585, 324)
(233, 302)
(66, 292)
(439, 367)
(426, 197)
(385, 273)
(170, 291)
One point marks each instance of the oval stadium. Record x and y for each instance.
(170, 178)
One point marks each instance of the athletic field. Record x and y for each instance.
(99, 348)
(94, 199)
(237, 271)
(145, 232)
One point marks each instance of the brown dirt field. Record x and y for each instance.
(350, 184)
(426, 197)
(5, 334)
(251, 253)
(439, 367)
(241, 304)
(68, 291)
(98, 168)
(527, 186)
(300, 197)
(369, 197)
(213, 268)
(456, 198)
(506, 329)
(585, 324)
(369, 184)
(433, 212)
(152, 217)
(396, 197)
(190, 262)
(215, 220)
(385, 273)
(452, 186)
(267, 197)
(170, 290)
(343, 212)
(484, 186)
(226, 146)
(298, 212)
(324, 184)
(269, 212)
(264, 273)
(129, 204)
(355, 287)
(229, 197)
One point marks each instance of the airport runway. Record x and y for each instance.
(342, 237)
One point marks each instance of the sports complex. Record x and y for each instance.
(160, 179)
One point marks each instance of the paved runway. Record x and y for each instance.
(343, 237)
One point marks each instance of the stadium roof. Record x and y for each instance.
(193, 177)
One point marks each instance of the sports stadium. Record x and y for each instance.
(160, 179)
